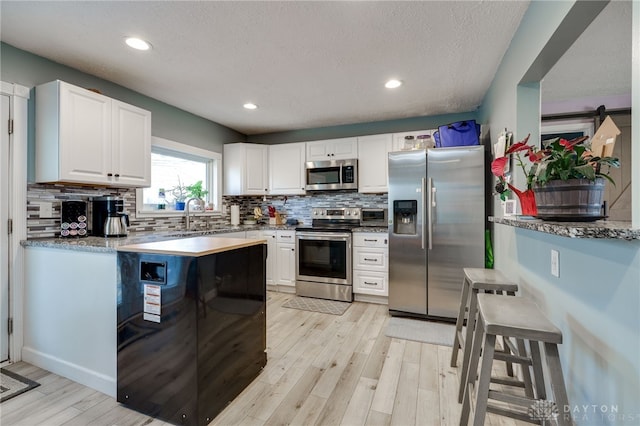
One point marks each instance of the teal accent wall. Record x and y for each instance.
(169, 122)
(361, 129)
(596, 299)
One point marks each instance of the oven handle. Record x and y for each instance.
(322, 236)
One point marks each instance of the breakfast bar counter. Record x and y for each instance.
(596, 229)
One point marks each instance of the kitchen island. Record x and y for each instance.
(70, 307)
(191, 325)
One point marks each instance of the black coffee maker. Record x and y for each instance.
(109, 218)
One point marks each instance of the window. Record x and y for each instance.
(175, 166)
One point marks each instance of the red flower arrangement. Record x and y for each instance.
(557, 159)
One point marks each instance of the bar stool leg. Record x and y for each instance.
(557, 382)
(526, 372)
(471, 324)
(471, 373)
(464, 299)
(536, 360)
(482, 390)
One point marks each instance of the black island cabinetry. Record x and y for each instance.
(191, 325)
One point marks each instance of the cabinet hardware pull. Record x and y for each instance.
(367, 283)
(285, 236)
(109, 174)
(370, 260)
(117, 175)
(370, 241)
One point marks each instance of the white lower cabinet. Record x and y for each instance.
(370, 264)
(286, 261)
(270, 236)
(281, 260)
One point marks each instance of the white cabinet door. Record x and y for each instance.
(84, 143)
(272, 254)
(245, 169)
(286, 264)
(85, 137)
(131, 149)
(286, 169)
(372, 162)
(256, 169)
(332, 149)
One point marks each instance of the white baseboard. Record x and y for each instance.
(369, 298)
(82, 375)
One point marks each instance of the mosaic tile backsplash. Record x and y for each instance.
(294, 207)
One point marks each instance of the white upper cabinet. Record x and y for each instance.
(286, 169)
(85, 137)
(332, 149)
(373, 153)
(246, 169)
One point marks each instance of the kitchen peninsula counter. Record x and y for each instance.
(598, 229)
(71, 294)
(111, 245)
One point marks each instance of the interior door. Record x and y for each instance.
(4, 236)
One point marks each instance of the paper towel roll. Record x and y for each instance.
(235, 215)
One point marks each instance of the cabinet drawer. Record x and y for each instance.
(286, 237)
(370, 239)
(370, 283)
(370, 259)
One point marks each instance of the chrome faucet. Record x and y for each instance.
(186, 205)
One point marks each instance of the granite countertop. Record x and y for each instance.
(110, 245)
(377, 229)
(597, 229)
(196, 246)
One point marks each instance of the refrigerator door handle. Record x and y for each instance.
(431, 203)
(424, 206)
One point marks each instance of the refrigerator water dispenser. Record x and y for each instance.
(405, 214)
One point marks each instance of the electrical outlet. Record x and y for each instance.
(46, 210)
(555, 263)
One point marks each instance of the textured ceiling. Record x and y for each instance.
(306, 64)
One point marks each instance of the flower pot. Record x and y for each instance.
(570, 200)
(179, 205)
(527, 201)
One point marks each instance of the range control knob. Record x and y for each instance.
(348, 213)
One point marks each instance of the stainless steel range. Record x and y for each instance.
(323, 267)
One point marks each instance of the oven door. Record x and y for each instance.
(323, 257)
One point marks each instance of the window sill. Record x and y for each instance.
(598, 229)
(176, 213)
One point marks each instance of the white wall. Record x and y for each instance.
(596, 299)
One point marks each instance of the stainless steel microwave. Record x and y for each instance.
(331, 175)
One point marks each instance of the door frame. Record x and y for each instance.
(18, 107)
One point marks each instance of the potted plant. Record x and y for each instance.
(196, 191)
(564, 176)
(180, 193)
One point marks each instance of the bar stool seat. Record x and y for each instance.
(518, 318)
(476, 280)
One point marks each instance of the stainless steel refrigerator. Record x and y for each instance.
(436, 227)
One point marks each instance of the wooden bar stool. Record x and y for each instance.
(519, 318)
(477, 280)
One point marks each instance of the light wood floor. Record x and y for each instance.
(321, 370)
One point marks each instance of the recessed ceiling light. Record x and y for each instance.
(392, 84)
(137, 43)
(249, 105)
